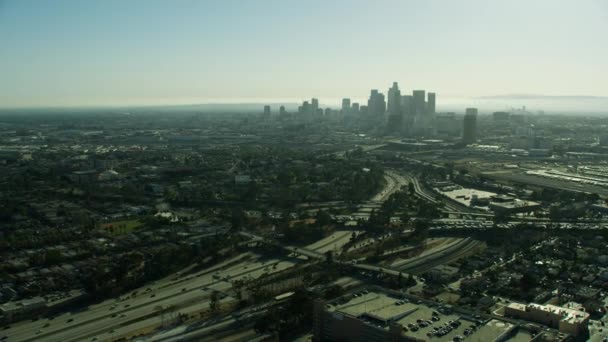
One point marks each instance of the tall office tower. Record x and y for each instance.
(469, 128)
(419, 103)
(395, 119)
(267, 111)
(430, 103)
(407, 105)
(314, 106)
(420, 119)
(282, 111)
(394, 100)
(407, 108)
(345, 105)
(306, 108)
(501, 117)
(355, 108)
(446, 124)
(376, 105)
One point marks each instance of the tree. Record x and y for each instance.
(405, 218)
(215, 301)
(323, 218)
(237, 219)
(329, 257)
(411, 189)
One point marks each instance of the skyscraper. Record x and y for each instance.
(355, 108)
(306, 108)
(394, 122)
(419, 103)
(407, 110)
(430, 105)
(394, 100)
(376, 105)
(266, 111)
(282, 111)
(314, 106)
(345, 105)
(469, 128)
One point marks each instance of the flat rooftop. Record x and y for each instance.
(420, 321)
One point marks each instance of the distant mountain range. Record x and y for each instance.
(540, 97)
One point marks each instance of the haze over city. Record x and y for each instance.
(307, 171)
(74, 53)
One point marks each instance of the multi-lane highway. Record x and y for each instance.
(141, 309)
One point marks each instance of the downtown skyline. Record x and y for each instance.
(160, 53)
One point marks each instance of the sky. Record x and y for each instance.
(136, 52)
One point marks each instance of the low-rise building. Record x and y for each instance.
(570, 320)
(383, 315)
(14, 310)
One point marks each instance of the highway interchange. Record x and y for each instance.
(140, 310)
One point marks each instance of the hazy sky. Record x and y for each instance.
(87, 52)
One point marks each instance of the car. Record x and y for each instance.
(127, 305)
(70, 320)
(46, 325)
(153, 295)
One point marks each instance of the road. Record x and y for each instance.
(131, 313)
(335, 241)
(425, 262)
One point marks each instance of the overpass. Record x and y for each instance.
(298, 250)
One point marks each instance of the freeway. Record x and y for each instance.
(335, 241)
(422, 263)
(297, 250)
(234, 321)
(133, 312)
(452, 253)
(451, 206)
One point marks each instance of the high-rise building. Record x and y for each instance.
(363, 109)
(501, 117)
(345, 105)
(376, 105)
(430, 104)
(314, 106)
(469, 127)
(355, 108)
(306, 108)
(446, 124)
(407, 110)
(266, 110)
(419, 103)
(393, 106)
(282, 111)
